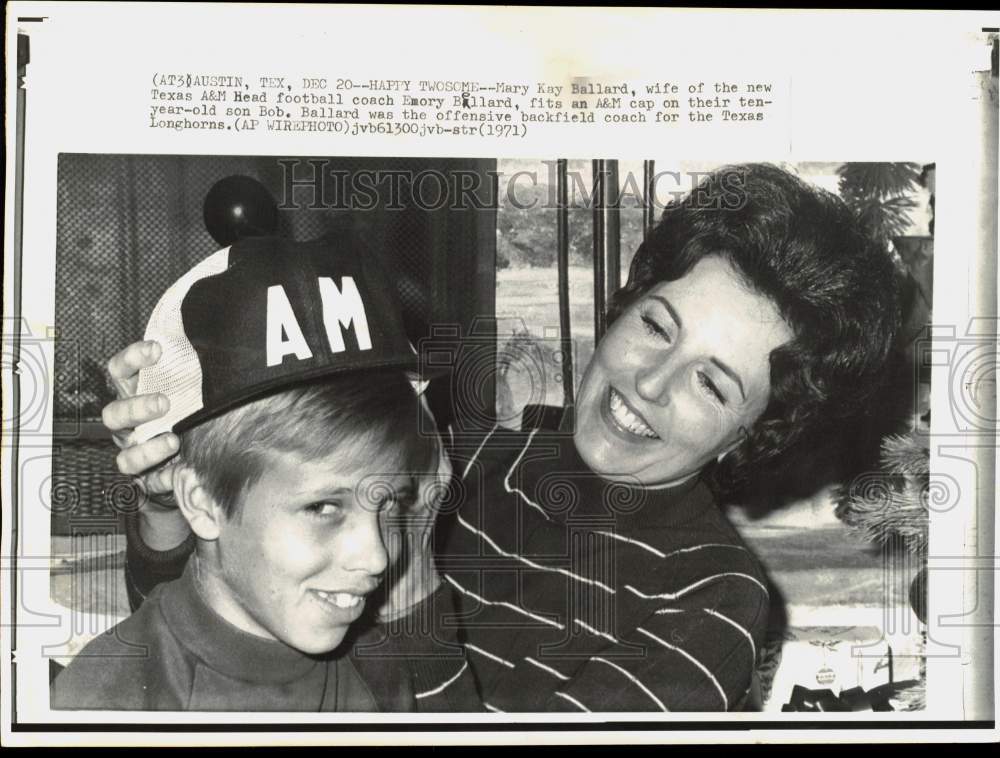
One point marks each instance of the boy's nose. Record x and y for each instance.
(367, 551)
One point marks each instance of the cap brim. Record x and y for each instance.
(408, 366)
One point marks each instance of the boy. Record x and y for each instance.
(284, 367)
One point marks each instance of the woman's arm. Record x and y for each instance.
(146, 566)
(159, 540)
(160, 524)
(697, 655)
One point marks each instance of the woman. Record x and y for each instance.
(592, 566)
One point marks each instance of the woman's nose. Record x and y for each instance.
(653, 382)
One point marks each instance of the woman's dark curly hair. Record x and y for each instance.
(802, 248)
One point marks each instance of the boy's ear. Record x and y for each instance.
(203, 514)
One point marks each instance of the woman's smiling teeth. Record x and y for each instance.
(339, 599)
(628, 419)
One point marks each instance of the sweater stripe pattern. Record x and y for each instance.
(575, 593)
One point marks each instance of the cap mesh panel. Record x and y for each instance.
(178, 372)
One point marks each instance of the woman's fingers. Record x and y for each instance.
(123, 368)
(135, 460)
(159, 482)
(122, 416)
(125, 415)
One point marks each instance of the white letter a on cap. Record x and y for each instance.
(280, 322)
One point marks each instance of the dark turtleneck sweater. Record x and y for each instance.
(176, 653)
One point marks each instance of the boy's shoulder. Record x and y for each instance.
(135, 665)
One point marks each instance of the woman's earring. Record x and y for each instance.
(744, 436)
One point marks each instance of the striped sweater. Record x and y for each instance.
(577, 594)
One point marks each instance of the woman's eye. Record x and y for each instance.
(708, 386)
(325, 508)
(653, 328)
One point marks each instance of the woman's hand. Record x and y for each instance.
(123, 415)
(161, 525)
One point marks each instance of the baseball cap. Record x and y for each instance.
(267, 313)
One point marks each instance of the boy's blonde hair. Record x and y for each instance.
(367, 415)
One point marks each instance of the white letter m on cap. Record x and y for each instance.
(341, 308)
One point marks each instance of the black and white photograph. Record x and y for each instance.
(629, 530)
(390, 444)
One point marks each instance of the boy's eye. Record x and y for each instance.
(708, 386)
(324, 508)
